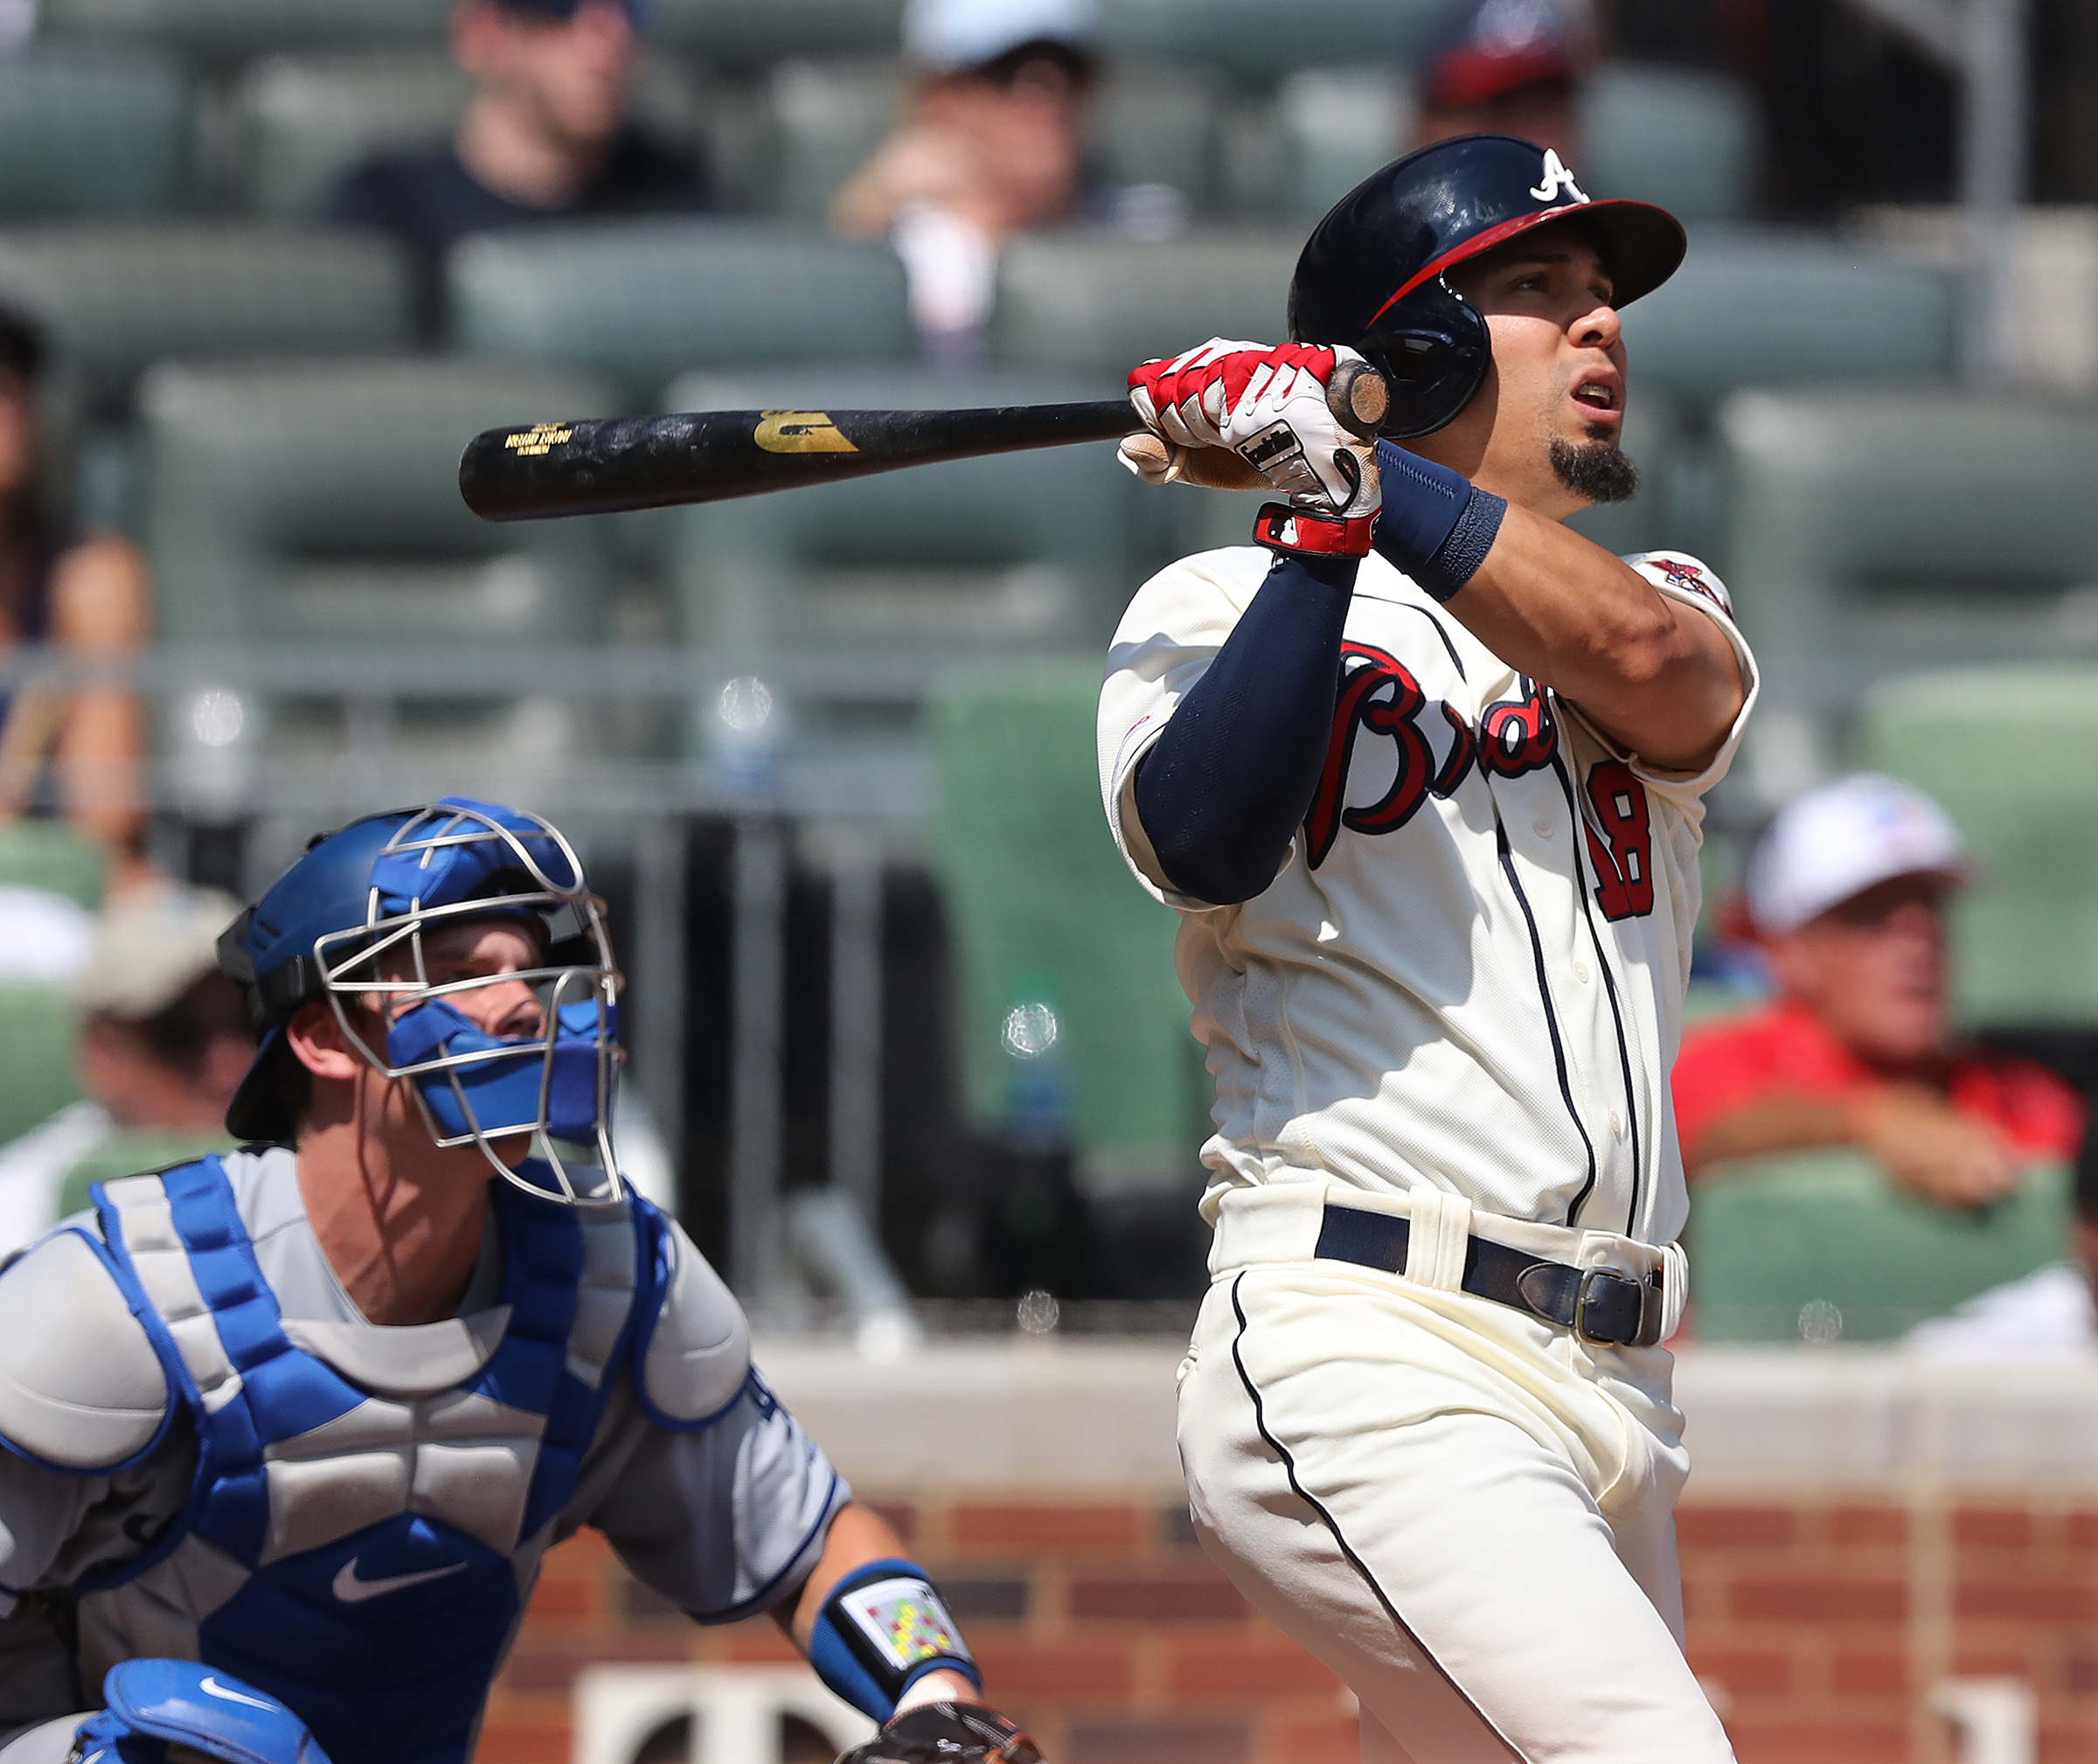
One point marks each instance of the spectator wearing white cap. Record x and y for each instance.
(162, 1042)
(993, 142)
(1847, 893)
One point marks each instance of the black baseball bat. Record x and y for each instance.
(612, 464)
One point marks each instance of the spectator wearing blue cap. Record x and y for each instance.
(549, 135)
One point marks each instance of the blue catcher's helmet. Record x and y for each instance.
(1372, 274)
(346, 924)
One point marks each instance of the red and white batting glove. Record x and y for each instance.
(1184, 399)
(1268, 406)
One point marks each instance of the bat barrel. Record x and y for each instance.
(615, 464)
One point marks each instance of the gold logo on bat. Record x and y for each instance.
(800, 432)
(538, 439)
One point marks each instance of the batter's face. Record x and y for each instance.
(1545, 427)
(1873, 969)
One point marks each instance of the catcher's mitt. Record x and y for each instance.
(947, 1734)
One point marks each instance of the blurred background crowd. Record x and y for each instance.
(901, 1029)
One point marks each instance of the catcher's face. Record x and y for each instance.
(1544, 430)
(481, 959)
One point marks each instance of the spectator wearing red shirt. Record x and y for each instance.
(1847, 893)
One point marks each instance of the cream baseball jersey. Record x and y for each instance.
(1469, 970)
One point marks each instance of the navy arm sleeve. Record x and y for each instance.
(1225, 787)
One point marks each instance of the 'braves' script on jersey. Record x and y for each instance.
(1467, 971)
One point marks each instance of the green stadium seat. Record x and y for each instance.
(318, 504)
(1256, 41)
(1756, 307)
(1042, 913)
(1686, 140)
(224, 32)
(92, 130)
(1334, 126)
(820, 119)
(320, 500)
(1856, 547)
(1101, 302)
(1163, 123)
(36, 1055)
(1771, 1237)
(302, 121)
(2003, 749)
(644, 300)
(1012, 553)
(742, 41)
(118, 296)
(50, 856)
(1153, 123)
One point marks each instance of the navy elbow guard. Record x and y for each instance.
(883, 1628)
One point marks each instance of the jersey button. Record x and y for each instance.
(1616, 1123)
(1581, 972)
(1542, 829)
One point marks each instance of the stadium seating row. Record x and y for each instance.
(642, 300)
(1254, 41)
(92, 128)
(1831, 518)
(282, 500)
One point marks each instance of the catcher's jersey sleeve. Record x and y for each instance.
(1469, 970)
(723, 1522)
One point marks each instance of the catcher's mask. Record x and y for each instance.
(349, 923)
(1373, 273)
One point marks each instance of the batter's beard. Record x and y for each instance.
(1595, 470)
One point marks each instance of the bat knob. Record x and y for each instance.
(1359, 398)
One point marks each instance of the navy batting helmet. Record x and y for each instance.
(1373, 274)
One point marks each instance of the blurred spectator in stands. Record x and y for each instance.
(1847, 891)
(74, 748)
(547, 137)
(993, 142)
(1504, 67)
(2048, 1314)
(162, 1043)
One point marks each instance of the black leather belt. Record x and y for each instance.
(1597, 1304)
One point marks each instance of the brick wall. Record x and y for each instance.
(1818, 1620)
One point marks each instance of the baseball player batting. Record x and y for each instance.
(1423, 777)
(288, 1432)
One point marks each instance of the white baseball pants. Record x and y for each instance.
(1463, 1510)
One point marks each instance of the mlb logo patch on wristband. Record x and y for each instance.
(906, 1621)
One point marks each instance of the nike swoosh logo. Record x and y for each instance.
(352, 1591)
(211, 1687)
